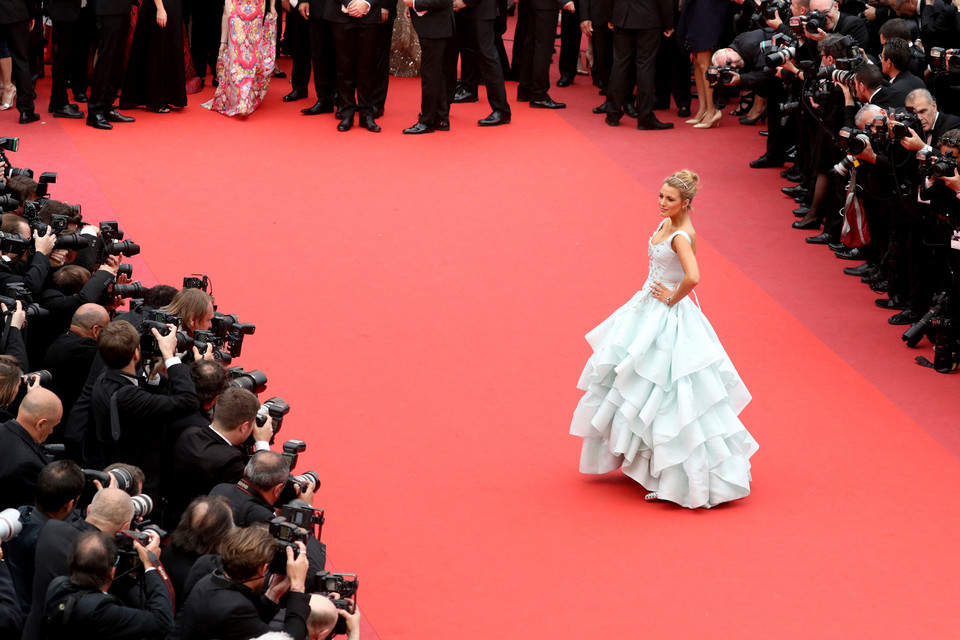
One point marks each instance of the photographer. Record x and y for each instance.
(204, 457)
(227, 604)
(21, 458)
(895, 64)
(111, 510)
(23, 188)
(194, 307)
(32, 271)
(204, 524)
(79, 604)
(942, 190)
(59, 485)
(324, 616)
(130, 414)
(70, 355)
(10, 621)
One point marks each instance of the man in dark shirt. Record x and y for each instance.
(21, 458)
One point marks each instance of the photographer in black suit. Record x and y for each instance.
(131, 414)
(21, 458)
(17, 19)
(204, 457)
(434, 23)
(79, 605)
(227, 604)
(113, 20)
(68, 44)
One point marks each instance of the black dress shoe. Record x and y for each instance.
(823, 238)
(494, 119)
(880, 285)
(613, 119)
(849, 254)
(97, 121)
(418, 129)
(279, 73)
(465, 96)
(565, 81)
(792, 175)
(800, 212)
(794, 191)
(650, 123)
(26, 117)
(601, 109)
(369, 123)
(82, 97)
(800, 224)
(859, 271)
(547, 103)
(294, 95)
(836, 246)
(890, 303)
(631, 110)
(322, 106)
(115, 116)
(765, 161)
(443, 125)
(346, 124)
(904, 317)
(68, 111)
(523, 95)
(683, 112)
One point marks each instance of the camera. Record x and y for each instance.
(944, 60)
(904, 122)
(276, 408)
(202, 338)
(13, 243)
(122, 477)
(131, 290)
(843, 167)
(301, 514)
(286, 534)
(296, 485)
(720, 75)
(814, 21)
(231, 331)
(855, 141)
(938, 325)
(157, 319)
(935, 165)
(10, 525)
(345, 585)
(781, 55)
(770, 9)
(820, 92)
(253, 381)
(44, 377)
(194, 282)
(112, 242)
(33, 309)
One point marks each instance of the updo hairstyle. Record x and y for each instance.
(686, 182)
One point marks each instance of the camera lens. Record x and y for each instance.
(123, 478)
(10, 525)
(142, 506)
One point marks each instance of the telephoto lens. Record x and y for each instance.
(10, 525)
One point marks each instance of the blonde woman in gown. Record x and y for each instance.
(661, 396)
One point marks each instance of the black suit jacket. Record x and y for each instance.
(248, 508)
(332, 12)
(20, 462)
(944, 123)
(903, 84)
(597, 11)
(201, 461)
(479, 10)
(63, 10)
(68, 360)
(102, 616)
(143, 413)
(221, 608)
(112, 7)
(20, 552)
(12, 11)
(10, 621)
(437, 22)
(53, 549)
(643, 14)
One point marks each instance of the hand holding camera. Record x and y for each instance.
(44, 244)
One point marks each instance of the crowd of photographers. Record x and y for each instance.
(861, 99)
(116, 426)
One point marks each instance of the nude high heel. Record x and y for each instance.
(711, 123)
(695, 120)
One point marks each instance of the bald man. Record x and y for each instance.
(111, 510)
(70, 356)
(324, 617)
(21, 458)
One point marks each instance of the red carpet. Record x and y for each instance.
(421, 303)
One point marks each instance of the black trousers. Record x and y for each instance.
(469, 74)
(437, 78)
(602, 55)
(480, 36)
(673, 73)
(356, 45)
(323, 59)
(384, 38)
(17, 35)
(66, 58)
(570, 37)
(633, 47)
(205, 34)
(298, 33)
(537, 53)
(108, 74)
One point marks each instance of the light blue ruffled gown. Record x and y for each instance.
(662, 398)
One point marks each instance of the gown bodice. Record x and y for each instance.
(665, 264)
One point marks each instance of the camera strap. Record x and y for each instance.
(114, 416)
(244, 486)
